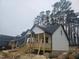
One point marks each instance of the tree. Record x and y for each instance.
(37, 20)
(61, 14)
(43, 18)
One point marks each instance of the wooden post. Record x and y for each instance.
(25, 40)
(38, 45)
(38, 40)
(13, 44)
(31, 38)
(16, 44)
(44, 44)
(31, 43)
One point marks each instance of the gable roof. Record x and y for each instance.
(50, 28)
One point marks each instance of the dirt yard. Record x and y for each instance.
(26, 56)
(32, 56)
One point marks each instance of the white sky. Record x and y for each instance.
(17, 16)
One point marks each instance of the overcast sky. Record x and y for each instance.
(17, 16)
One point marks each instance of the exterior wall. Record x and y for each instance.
(59, 40)
(37, 30)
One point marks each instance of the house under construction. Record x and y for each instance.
(47, 38)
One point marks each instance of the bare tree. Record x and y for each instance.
(62, 14)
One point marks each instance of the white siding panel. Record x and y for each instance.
(37, 30)
(59, 40)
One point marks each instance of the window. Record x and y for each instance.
(61, 32)
(46, 40)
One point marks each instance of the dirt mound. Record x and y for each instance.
(1, 56)
(39, 57)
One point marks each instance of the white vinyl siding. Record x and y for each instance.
(59, 40)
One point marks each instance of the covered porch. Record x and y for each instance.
(40, 42)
